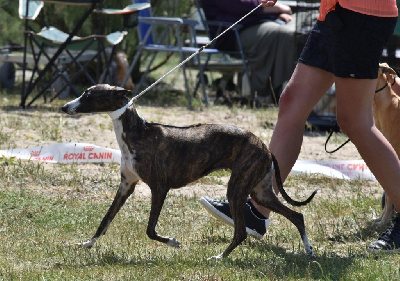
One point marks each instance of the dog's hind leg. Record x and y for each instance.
(264, 195)
(158, 196)
(125, 189)
(298, 220)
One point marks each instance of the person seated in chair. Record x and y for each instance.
(267, 38)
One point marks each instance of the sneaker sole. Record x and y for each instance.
(225, 219)
(377, 251)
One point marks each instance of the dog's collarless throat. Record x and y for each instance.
(117, 113)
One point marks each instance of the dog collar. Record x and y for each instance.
(117, 113)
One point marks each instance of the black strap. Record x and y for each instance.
(337, 126)
(386, 84)
(330, 135)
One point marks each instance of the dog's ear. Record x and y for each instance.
(385, 68)
(121, 92)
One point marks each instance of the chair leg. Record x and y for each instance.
(56, 55)
(188, 96)
(201, 80)
(60, 70)
(144, 75)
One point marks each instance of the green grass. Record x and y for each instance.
(40, 227)
(45, 209)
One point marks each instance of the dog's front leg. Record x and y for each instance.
(125, 189)
(157, 200)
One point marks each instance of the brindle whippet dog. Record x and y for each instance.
(166, 157)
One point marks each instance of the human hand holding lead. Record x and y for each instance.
(268, 3)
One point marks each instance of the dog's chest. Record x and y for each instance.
(127, 154)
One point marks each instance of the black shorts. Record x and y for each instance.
(348, 44)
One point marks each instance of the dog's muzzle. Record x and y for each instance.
(70, 108)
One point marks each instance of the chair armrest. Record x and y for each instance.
(34, 9)
(72, 2)
(168, 20)
(134, 8)
(191, 22)
(160, 20)
(169, 23)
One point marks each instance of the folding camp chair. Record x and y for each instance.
(154, 33)
(60, 51)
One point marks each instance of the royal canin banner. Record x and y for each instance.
(65, 153)
(342, 169)
(90, 153)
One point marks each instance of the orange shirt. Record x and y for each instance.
(379, 8)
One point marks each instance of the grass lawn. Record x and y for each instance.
(45, 209)
(39, 230)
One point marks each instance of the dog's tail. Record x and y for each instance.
(283, 192)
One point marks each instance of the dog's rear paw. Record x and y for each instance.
(88, 244)
(220, 256)
(173, 242)
(310, 253)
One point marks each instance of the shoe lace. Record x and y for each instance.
(392, 231)
(221, 201)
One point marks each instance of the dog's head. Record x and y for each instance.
(383, 72)
(98, 98)
(384, 68)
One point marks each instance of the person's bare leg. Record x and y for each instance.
(355, 117)
(306, 87)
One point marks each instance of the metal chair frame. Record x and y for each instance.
(70, 49)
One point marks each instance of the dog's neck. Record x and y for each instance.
(117, 113)
(127, 122)
(131, 114)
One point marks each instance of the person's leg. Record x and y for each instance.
(306, 87)
(269, 49)
(354, 115)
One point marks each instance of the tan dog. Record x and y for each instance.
(121, 60)
(386, 108)
(117, 71)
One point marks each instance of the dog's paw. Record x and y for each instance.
(88, 244)
(310, 252)
(173, 242)
(220, 256)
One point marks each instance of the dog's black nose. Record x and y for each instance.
(65, 108)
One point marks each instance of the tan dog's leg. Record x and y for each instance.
(386, 215)
(384, 110)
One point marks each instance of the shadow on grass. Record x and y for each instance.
(367, 232)
(257, 260)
